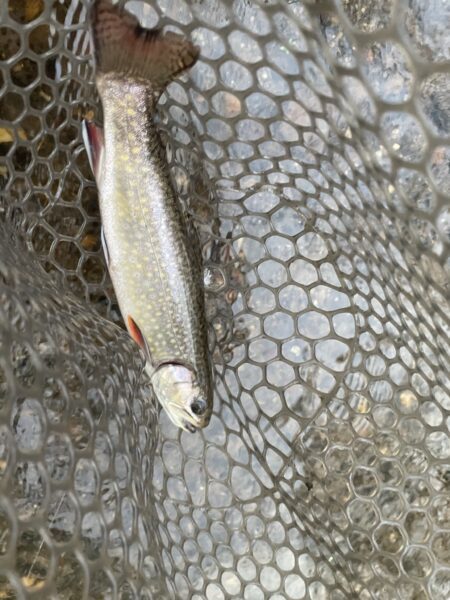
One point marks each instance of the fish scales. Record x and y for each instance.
(145, 228)
(153, 262)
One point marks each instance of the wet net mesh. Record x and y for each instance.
(311, 146)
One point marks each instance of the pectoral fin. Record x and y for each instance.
(94, 143)
(135, 332)
(138, 337)
(105, 247)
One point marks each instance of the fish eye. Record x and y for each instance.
(198, 407)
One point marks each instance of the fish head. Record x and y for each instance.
(186, 401)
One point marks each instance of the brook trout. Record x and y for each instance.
(153, 263)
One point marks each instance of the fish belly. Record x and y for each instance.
(154, 272)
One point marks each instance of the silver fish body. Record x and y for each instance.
(153, 262)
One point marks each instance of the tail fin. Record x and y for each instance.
(124, 47)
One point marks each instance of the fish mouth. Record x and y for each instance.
(184, 419)
(186, 402)
(192, 421)
(187, 426)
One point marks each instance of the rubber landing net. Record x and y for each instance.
(311, 146)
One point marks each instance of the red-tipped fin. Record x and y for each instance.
(94, 143)
(136, 334)
(123, 47)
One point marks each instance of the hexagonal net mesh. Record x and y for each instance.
(310, 144)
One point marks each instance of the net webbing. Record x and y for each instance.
(310, 144)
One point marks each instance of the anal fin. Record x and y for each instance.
(94, 142)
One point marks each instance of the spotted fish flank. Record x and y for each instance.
(153, 265)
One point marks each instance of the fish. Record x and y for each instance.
(153, 261)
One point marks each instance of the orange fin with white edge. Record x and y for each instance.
(135, 332)
(125, 48)
(137, 336)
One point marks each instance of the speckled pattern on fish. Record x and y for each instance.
(153, 263)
